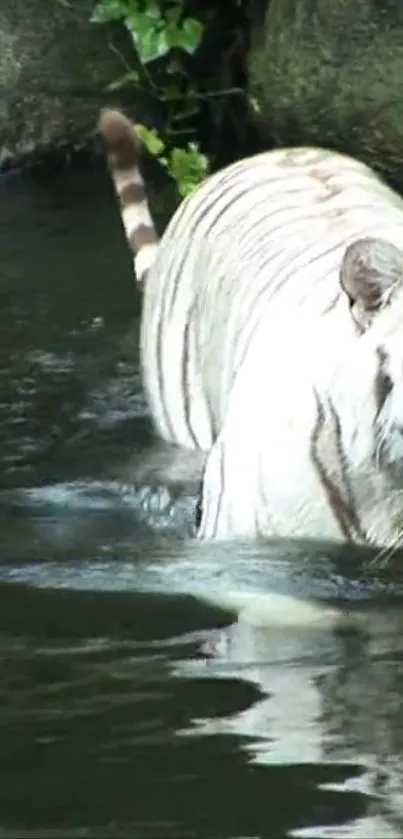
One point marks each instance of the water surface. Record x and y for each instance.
(151, 686)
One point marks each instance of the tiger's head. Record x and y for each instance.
(371, 276)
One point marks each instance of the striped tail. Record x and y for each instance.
(124, 152)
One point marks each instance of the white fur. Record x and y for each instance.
(144, 260)
(134, 215)
(271, 485)
(258, 304)
(127, 177)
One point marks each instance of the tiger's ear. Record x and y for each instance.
(370, 272)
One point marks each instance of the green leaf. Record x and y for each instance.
(151, 12)
(173, 35)
(149, 41)
(109, 10)
(192, 31)
(185, 36)
(189, 168)
(151, 139)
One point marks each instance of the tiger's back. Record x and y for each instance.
(272, 338)
(259, 241)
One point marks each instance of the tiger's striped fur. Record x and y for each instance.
(124, 162)
(272, 338)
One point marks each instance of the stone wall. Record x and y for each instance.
(54, 69)
(329, 72)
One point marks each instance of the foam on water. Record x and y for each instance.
(266, 584)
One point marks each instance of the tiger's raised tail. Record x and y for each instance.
(124, 153)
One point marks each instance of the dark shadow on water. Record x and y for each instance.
(91, 723)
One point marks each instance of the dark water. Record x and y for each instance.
(150, 686)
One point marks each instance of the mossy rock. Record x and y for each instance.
(329, 73)
(55, 69)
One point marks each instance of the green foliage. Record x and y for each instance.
(162, 38)
(153, 33)
(187, 166)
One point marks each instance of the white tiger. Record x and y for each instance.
(272, 339)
